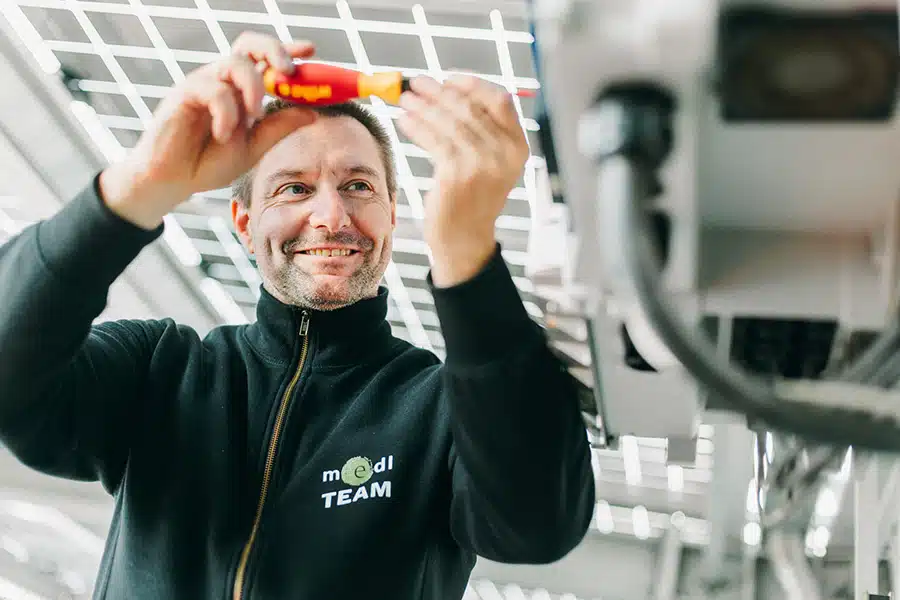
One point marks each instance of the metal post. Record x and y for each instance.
(895, 560)
(789, 563)
(889, 513)
(668, 565)
(748, 576)
(732, 470)
(866, 549)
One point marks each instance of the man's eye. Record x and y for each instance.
(295, 189)
(359, 186)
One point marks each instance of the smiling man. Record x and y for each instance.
(310, 454)
(322, 204)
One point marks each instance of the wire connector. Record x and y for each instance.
(633, 119)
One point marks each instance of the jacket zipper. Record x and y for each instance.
(240, 576)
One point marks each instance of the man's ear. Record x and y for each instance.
(240, 216)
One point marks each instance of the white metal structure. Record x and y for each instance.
(768, 221)
(662, 530)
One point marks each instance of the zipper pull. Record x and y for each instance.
(304, 323)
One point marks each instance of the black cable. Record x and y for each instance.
(883, 349)
(629, 133)
(756, 399)
(695, 353)
(888, 373)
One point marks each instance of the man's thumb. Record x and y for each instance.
(275, 127)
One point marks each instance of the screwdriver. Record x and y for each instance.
(319, 84)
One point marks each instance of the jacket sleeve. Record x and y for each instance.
(523, 487)
(66, 388)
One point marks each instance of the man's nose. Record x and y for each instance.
(328, 211)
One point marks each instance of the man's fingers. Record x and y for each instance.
(500, 105)
(470, 115)
(301, 49)
(265, 48)
(497, 101)
(452, 148)
(422, 135)
(294, 50)
(242, 73)
(449, 117)
(492, 100)
(275, 127)
(224, 108)
(444, 135)
(250, 51)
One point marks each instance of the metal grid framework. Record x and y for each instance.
(483, 589)
(124, 55)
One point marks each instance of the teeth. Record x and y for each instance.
(336, 252)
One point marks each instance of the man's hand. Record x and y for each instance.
(205, 133)
(471, 129)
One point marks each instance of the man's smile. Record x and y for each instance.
(330, 260)
(328, 251)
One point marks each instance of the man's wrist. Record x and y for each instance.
(124, 195)
(483, 317)
(459, 259)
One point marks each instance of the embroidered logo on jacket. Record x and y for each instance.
(356, 472)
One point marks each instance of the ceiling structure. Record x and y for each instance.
(119, 57)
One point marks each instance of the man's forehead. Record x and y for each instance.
(335, 144)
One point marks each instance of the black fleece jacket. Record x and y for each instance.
(310, 455)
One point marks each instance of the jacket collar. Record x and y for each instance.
(343, 337)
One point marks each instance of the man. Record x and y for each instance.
(311, 454)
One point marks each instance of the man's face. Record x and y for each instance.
(321, 217)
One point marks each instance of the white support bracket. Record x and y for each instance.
(887, 517)
(895, 560)
(748, 576)
(668, 565)
(732, 470)
(866, 546)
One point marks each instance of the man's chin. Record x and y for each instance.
(323, 291)
(331, 291)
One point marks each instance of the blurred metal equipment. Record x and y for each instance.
(744, 240)
(728, 198)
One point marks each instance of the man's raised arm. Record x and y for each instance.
(523, 488)
(68, 390)
(65, 387)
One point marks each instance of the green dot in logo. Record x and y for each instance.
(356, 471)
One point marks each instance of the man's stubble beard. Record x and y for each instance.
(299, 288)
